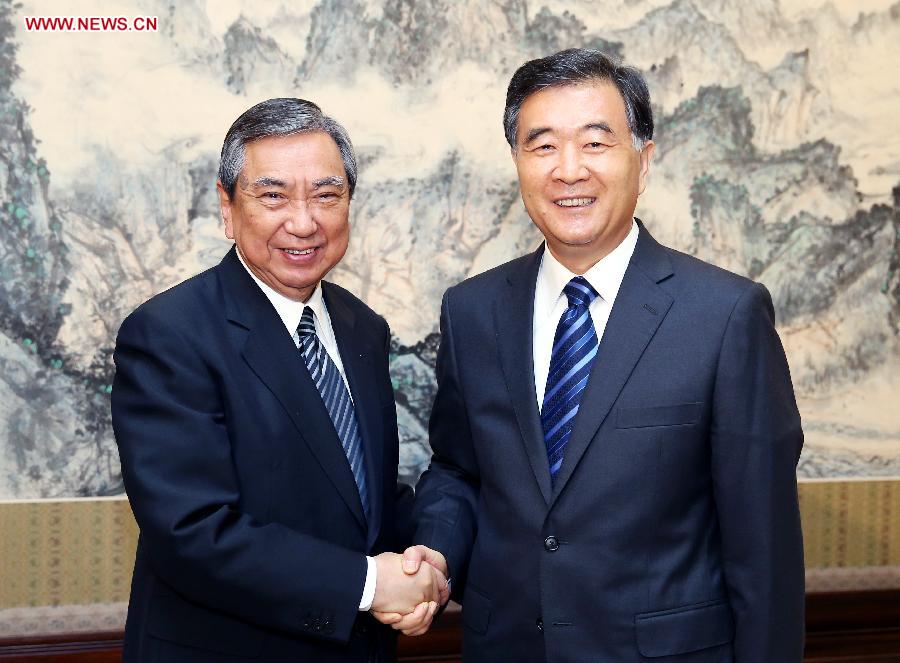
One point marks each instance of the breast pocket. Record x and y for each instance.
(683, 414)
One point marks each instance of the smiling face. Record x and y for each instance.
(289, 215)
(579, 173)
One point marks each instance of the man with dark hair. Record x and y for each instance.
(255, 421)
(615, 432)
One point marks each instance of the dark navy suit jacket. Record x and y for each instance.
(672, 532)
(252, 535)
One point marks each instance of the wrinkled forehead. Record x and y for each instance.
(302, 157)
(583, 103)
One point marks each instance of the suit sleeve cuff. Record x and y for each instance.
(368, 594)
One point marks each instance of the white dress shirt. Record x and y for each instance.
(290, 312)
(550, 301)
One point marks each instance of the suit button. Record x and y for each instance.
(551, 544)
(540, 624)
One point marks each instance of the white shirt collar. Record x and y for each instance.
(605, 276)
(290, 311)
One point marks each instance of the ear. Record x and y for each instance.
(225, 208)
(646, 157)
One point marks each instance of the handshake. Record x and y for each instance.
(410, 588)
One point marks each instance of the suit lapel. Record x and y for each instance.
(271, 354)
(513, 316)
(356, 355)
(639, 309)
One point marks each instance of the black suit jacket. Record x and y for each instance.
(672, 532)
(252, 535)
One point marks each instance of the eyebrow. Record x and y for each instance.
(540, 131)
(535, 133)
(332, 180)
(600, 126)
(267, 181)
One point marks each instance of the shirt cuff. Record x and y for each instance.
(368, 595)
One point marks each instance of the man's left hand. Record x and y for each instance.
(419, 620)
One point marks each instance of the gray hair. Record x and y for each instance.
(280, 117)
(580, 65)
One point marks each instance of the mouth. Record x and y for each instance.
(299, 256)
(574, 202)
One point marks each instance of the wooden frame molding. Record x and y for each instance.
(841, 627)
(97, 647)
(853, 626)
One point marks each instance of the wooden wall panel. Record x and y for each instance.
(842, 627)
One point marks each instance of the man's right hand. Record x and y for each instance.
(399, 591)
(418, 621)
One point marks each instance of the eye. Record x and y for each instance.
(273, 195)
(543, 148)
(327, 197)
(596, 145)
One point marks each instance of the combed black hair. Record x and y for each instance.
(580, 65)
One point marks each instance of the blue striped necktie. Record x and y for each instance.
(574, 349)
(328, 381)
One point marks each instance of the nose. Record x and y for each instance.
(570, 167)
(300, 221)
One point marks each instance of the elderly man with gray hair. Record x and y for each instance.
(615, 433)
(257, 430)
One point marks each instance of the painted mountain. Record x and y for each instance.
(778, 158)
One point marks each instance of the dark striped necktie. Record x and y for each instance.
(328, 381)
(574, 349)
